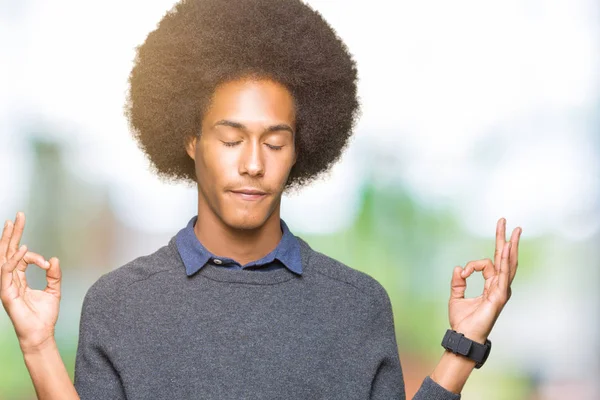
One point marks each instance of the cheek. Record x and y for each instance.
(280, 166)
(216, 169)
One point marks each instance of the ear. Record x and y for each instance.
(190, 147)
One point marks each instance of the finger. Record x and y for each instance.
(500, 240)
(29, 258)
(9, 266)
(504, 277)
(484, 265)
(458, 284)
(32, 258)
(6, 235)
(514, 252)
(17, 280)
(53, 277)
(16, 236)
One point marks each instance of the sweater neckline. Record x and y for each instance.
(221, 274)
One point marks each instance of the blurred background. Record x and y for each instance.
(471, 111)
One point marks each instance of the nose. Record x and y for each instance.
(252, 162)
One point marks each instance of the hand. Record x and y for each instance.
(32, 312)
(475, 317)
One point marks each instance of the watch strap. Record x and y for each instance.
(459, 344)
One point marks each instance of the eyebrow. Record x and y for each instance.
(237, 125)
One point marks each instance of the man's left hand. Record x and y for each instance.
(475, 317)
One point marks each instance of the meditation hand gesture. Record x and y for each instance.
(475, 317)
(32, 312)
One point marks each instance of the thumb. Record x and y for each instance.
(458, 284)
(53, 277)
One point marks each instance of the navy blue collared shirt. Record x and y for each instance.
(195, 255)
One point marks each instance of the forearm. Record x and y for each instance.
(48, 373)
(452, 371)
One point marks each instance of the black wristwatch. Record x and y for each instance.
(459, 344)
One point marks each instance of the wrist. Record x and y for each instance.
(48, 372)
(452, 371)
(39, 347)
(458, 343)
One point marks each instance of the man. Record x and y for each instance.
(246, 99)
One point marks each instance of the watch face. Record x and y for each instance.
(464, 346)
(457, 343)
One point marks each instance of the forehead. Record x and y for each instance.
(252, 100)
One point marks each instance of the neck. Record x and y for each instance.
(242, 245)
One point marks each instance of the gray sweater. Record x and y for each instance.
(149, 331)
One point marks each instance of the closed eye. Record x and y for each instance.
(274, 147)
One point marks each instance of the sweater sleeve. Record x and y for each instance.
(430, 390)
(95, 374)
(388, 382)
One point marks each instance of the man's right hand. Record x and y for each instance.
(32, 312)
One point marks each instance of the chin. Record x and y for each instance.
(249, 221)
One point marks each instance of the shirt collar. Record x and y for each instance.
(195, 255)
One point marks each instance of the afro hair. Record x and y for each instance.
(200, 44)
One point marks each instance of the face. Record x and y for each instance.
(245, 152)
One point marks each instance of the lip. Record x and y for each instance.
(249, 194)
(248, 191)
